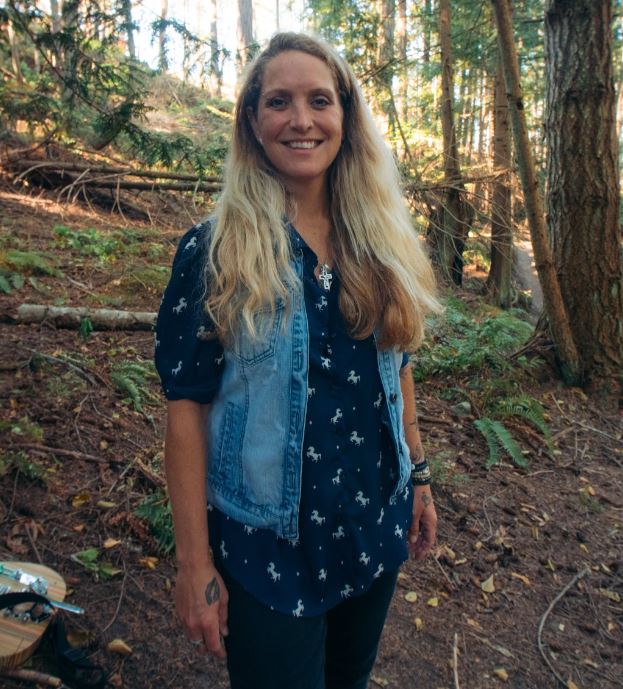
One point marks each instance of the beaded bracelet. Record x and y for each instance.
(420, 474)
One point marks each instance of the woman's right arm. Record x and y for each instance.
(200, 594)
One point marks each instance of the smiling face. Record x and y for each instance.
(299, 119)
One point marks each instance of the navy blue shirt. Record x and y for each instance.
(349, 530)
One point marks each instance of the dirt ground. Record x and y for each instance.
(526, 581)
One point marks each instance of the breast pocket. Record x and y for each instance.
(252, 350)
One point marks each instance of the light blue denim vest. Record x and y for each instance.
(256, 423)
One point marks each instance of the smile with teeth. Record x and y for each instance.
(302, 144)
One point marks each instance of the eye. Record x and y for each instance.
(320, 102)
(276, 103)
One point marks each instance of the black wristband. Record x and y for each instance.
(420, 473)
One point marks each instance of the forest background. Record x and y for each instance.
(115, 119)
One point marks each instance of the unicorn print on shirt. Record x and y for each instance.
(354, 438)
(361, 499)
(181, 305)
(312, 454)
(338, 415)
(274, 574)
(352, 378)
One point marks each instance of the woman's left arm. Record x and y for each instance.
(423, 528)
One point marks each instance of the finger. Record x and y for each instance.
(421, 548)
(222, 616)
(425, 542)
(222, 619)
(214, 643)
(414, 529)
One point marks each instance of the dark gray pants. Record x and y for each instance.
(270, 650)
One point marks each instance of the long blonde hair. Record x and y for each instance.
(386, 279)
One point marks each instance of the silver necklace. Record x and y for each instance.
(325, 276)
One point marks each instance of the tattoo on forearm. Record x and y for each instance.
(414, 422)
(212, 592)
(426, 499)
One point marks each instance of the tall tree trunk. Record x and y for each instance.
(69, 57)
(619, 83)
(466, 105)
(56, 16)
(401, 46)
(499, 280)
(481, 123)
(15, 61)
(186, 47)
(215, 69)
(245, 32)
(126, 8)
(583, 183)
(385, 60)
(163, 60)
(448, 235)
(56, 28)
(552, 297)
(483, 118)
(427, 30)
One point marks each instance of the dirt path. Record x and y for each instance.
(526, 275)
(509, 541)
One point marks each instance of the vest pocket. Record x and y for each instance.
(251, 350)
(228, 461)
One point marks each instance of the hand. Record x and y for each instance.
(423, 528)
(201, 603)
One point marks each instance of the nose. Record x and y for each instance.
(301, 117)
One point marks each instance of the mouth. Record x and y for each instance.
(303, 145)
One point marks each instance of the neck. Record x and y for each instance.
(311, 208)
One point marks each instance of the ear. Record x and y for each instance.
(254, 125)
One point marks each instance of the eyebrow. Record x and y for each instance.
(316, 89)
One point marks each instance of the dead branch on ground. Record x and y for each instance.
(72, 317)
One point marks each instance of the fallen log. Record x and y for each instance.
(109, 170)
(71, 317)
(95, 183)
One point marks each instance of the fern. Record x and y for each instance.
(528, 409)
(132, 379)
(508, 443)
(462, 342)
(484, 425)
(29, 262)
(498, 436)
(5, 285)
(155, 509)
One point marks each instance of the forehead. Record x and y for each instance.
(293, 70)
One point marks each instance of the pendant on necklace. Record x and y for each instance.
(325, 276)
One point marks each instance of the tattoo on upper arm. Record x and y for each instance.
(426, 499)
(212, 592)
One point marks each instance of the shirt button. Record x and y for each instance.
(393, 397)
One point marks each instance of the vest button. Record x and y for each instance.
(393, 397)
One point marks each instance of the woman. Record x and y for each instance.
(291, 406)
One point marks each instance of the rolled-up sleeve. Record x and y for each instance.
(189, 362)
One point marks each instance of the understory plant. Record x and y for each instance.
(155, 509)
(133, 379)
(474, 348)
